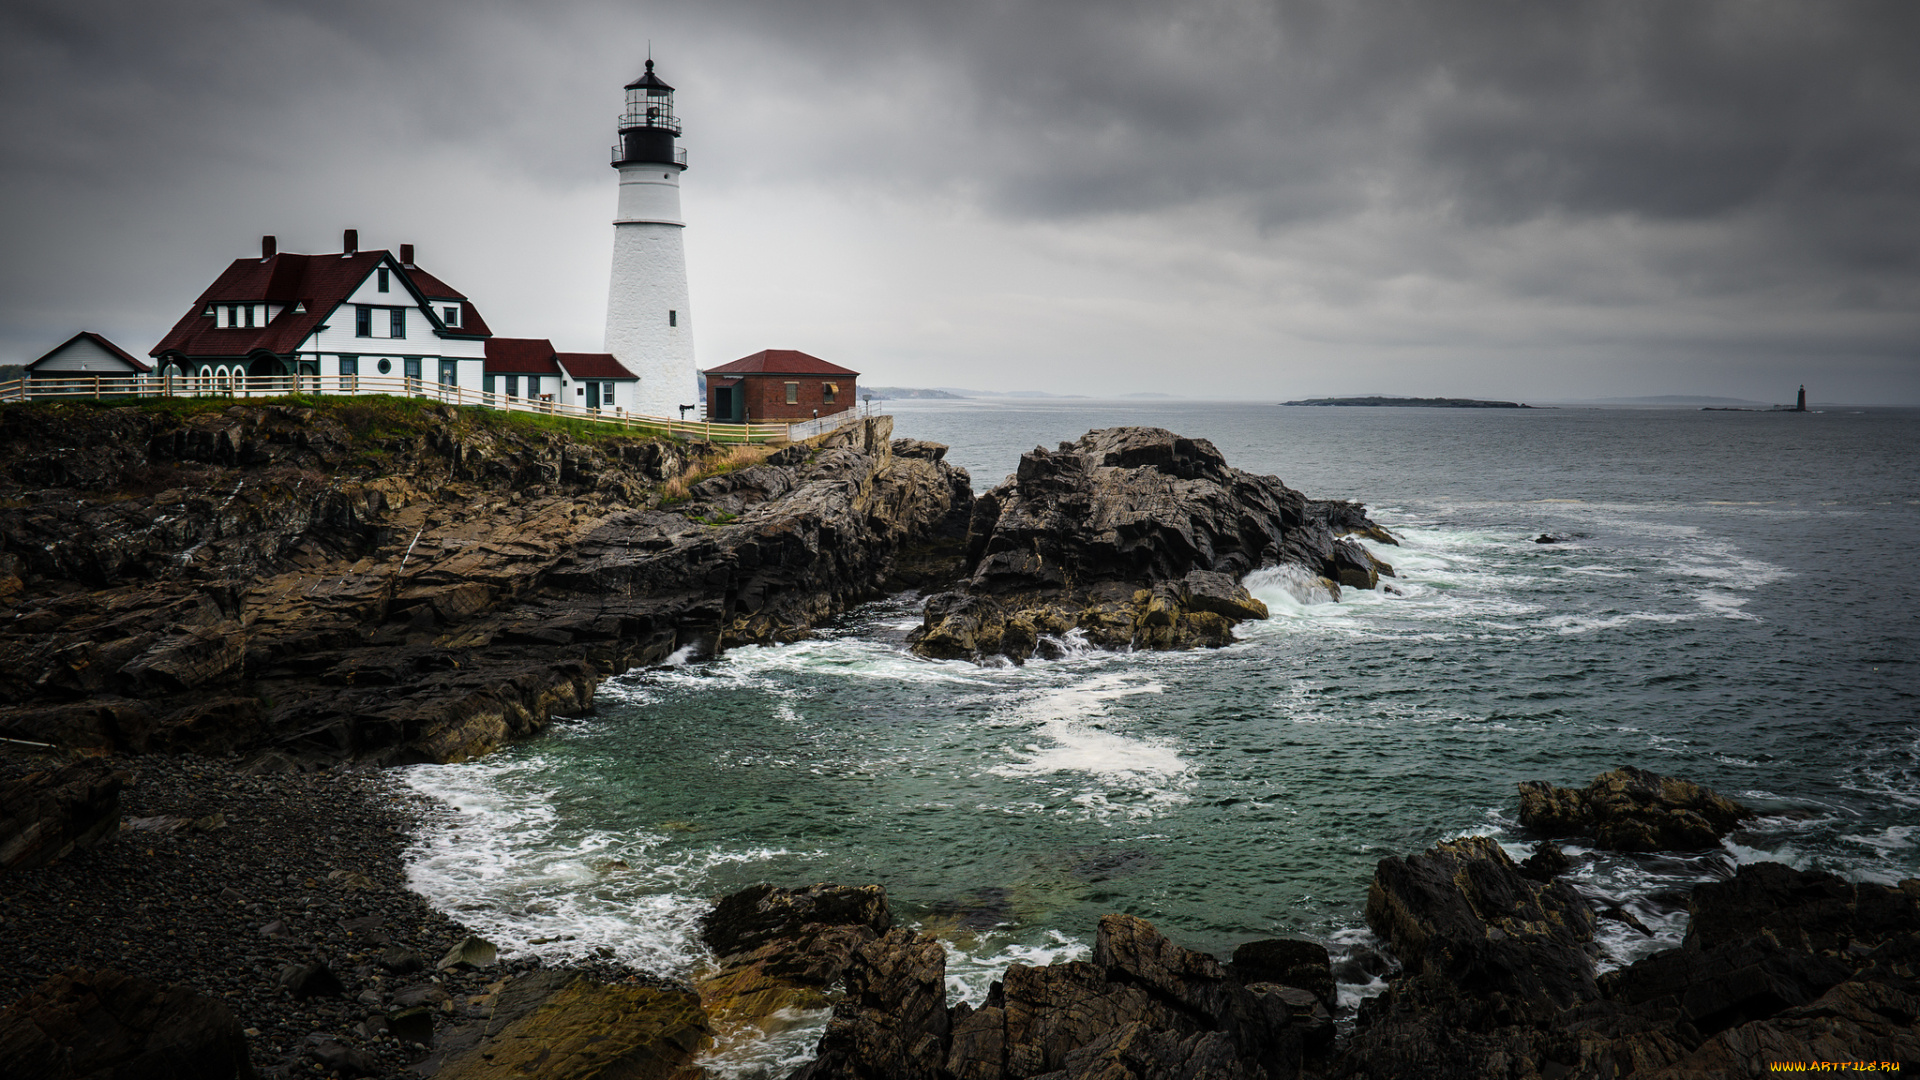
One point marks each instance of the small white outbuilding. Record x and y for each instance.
(84, 355)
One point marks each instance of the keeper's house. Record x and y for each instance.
(778, 384)
(86, 354)
(336, 316)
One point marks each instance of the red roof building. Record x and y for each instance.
(529, 367)
(778, 384)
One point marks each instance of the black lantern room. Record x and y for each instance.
(648, 127)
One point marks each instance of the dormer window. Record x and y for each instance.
(450, 315)
(382, 275)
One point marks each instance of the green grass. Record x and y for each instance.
(380, 416)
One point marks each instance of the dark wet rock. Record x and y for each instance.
(780, 950)
(1143, 1007)
(893, 1020)
(422, 995)
(1287, 962)
(1782, 966)
(1135, 538)
(47, 814)
(1807, 910)
(338, 1059)
(106, 1023)
(414, 1025)
(562, 1025)
(809, 922)
(310, 980)
(1631, 809)
(401, 961)
(1463, 913)
(298, 584)
(1547, 862)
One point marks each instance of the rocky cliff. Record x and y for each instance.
(400, 581)
(1134, 538)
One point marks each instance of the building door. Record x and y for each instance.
(593, 396)
(722, 403)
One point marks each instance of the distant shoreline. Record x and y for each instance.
(1414, 402)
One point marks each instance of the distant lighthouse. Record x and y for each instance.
(648, 329)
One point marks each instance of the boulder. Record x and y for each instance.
(1287, 962)
(1631, 809)
(314, 979)
(471, 952)
(106, 1023)
(1462, 914)
(46, 815)
(780, 950)
(1137, 538)
(893, 1020)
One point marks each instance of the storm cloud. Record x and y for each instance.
(1213, 198)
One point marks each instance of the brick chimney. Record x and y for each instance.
(406, 254)
(269, 247)
(350, 243)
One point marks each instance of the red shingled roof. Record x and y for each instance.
(593, 365)
(520, 356)
(780, 362)
(432, 287)
(97, 339)
(321, 282)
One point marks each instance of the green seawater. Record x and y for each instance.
(1733, 607)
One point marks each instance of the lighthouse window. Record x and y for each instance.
(386, 365)
(673, 317)
(362, 321)
(249, 308)
(793, 393)
(450, 316)
(382, 272)
(399, 322)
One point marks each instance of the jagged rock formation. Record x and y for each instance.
(1778, 965)
(1631, 809)
(1142, 1007)
(1136, 538)
(412, 582)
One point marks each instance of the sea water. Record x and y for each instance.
(1732, 605)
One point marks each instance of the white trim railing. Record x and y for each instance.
(239, 385)
(807, 429)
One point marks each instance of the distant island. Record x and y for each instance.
(908, 392)
(1414, 402)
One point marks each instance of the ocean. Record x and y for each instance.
(1731, 606)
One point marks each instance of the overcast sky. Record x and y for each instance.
(1218, 198)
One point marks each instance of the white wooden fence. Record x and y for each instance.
(268, 386)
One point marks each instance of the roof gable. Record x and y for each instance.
(319, 282)
(780, 362)
(113, 351)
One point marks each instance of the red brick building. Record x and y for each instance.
(778, 384)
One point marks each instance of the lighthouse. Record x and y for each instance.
(648, 329)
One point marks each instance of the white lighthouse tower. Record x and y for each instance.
(648, 329)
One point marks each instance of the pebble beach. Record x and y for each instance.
(237, 886)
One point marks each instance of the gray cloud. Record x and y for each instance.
(1713, 178)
